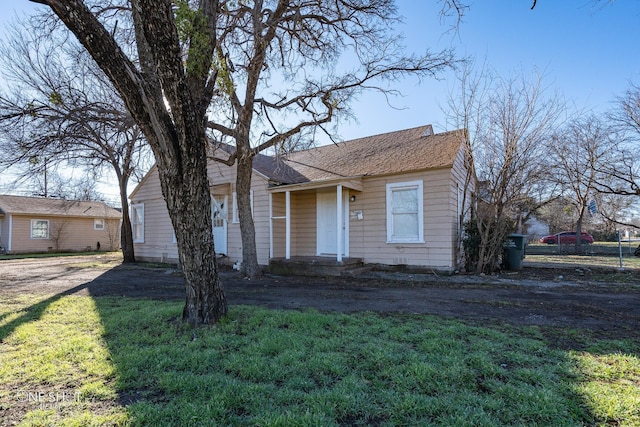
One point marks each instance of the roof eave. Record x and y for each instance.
(352, 183)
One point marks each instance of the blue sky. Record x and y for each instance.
(587, 50)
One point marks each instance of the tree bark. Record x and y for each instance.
(126, 231)
(205, 302)
(186, 190)
(250, 267)
(177, 137)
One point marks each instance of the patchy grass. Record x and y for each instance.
(601, 255)
(128, 362)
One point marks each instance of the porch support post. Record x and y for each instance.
(270, 225)
(340, 215)
(288, 225)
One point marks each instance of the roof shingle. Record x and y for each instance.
(44, 206)
(401, 151)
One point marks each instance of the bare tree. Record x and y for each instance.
(185, 57)
(613, 211)
(621, 175)
(58, 232)
(51, 184)
(558, 214)
(623, 172)
(284, 74)
(578, 153)
(167, 88)
(509, 121)
(62, 111)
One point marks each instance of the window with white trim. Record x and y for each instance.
(235, 215)
(405, 216)
(137, 222)
(39, 229)
(98, 223)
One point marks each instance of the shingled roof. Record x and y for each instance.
(408, 150)
(20, 205)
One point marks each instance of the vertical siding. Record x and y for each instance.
(75, 234)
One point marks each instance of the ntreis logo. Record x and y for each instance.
(48, 399)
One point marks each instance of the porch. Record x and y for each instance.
(316, 266)
(309, 222)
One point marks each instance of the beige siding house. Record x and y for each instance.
(394, 199)
(36, 224)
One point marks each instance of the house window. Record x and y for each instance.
(137, 222)
(405, 217)
(236, 216)
(98, 224)
(39, 229)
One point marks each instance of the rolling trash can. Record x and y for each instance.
(514, 251)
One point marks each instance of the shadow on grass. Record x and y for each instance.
(277, 367)
(122, 281)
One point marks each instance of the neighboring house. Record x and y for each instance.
(395, 199)
(37, 224)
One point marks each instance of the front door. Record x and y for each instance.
(219, 215)
(327, 223)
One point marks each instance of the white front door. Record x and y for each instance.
(327, 223)
(219, 216)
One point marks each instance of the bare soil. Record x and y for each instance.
(606, 302)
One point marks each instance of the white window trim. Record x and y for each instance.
(418, 186)
(99, 224)
(134, 207)
(31, 229)
(235, 218)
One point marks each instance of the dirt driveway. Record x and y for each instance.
(557, 298)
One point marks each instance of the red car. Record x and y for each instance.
(567, 238)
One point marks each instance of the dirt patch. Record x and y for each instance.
(579, 298)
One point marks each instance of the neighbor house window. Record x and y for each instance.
(405, 218)
(137, 222)
(39, 229)
(236, 216)
(98, 224)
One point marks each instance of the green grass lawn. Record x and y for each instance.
(77, 361)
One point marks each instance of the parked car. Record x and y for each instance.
(567, 238)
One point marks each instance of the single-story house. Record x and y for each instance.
(38, 224)
(394, 199)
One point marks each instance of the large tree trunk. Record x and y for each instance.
(188, 198)
(177, 137)
(250, 267)
(126, 232)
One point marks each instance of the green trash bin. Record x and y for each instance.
(514, 251)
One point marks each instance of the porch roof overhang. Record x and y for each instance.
(352, 183)
(220, 188)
